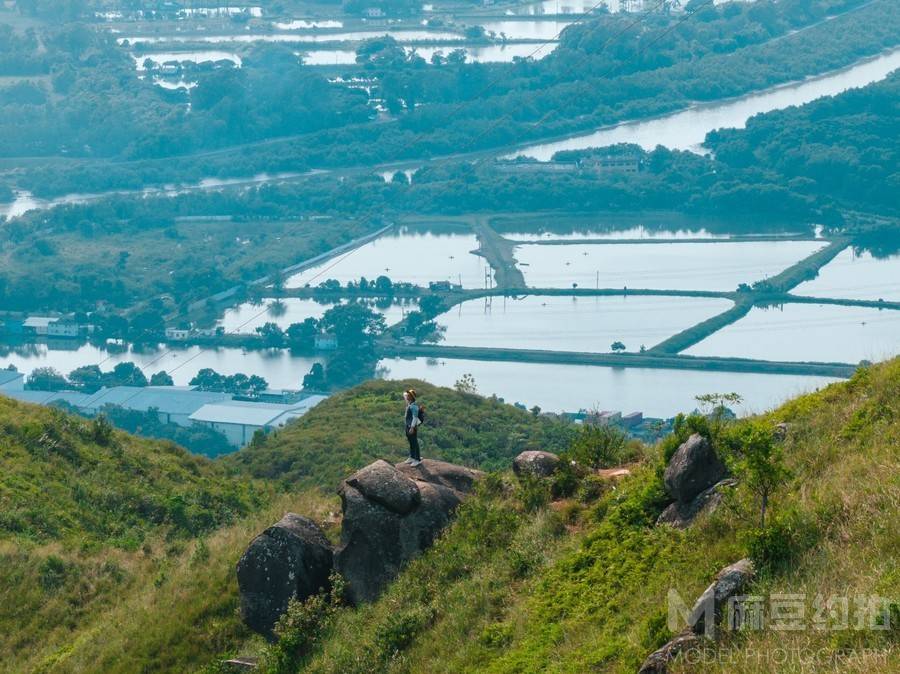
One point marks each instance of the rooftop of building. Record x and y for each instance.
(7, 376)
(48, 397)
(247, 413)
(166, 399)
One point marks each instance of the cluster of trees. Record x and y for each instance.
(846, 146)
(90, 378)
(100, 108)
(196, 438)
(72, 257)
(19, 53)
(586, 82)
(240, 384)
(354, 325)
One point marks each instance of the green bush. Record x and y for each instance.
(401, 628)
(565, 480)
(591, 488)
(683, 428)
(598, 446)
(776, 547)
(53, 573)
(533, 493)
(102, 430)
(301, 628)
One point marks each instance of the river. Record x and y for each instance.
(686, 130)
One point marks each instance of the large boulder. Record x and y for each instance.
(658, 661)
(693, 468)
(536, 463)
(382, 483)
(681, 515)
(378, 540)
(290, 559)
(729, 582)
(450, 475)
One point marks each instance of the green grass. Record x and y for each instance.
(100, 545)
(164, 258)
(355, 427)
(515, 584)
(67, 479)
(508, 591)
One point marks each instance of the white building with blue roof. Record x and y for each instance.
(174, 404)
(238, 420)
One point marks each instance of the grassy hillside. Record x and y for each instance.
(117, 553)
(581, 584)
(355, 427)
(63, 478)
(113, 545)
(95, 575)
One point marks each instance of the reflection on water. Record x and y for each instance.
(197, 56)
(246, 317)
(808, 332)
(406, 256)
(656, 393)
(856, 275)
(300, 24)
(678, 266)
(26, 201)
(526, 30)
(589, 324)
(567, 7)
(353, 36)
(687, 130)
(494, 53)
(638, 232)
(278, 367)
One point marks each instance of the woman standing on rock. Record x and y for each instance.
(412, 421)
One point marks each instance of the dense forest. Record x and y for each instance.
(809, 164)
(608, 69)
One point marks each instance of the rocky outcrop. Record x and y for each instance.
(390, 515)
(731, 581)
(658, 661)
(450, 475)
(681, 515)
(290, 559)
(694, 467)
(385, 526)
(694, 479)
(385, 485)
(781, 431)
(536, 463)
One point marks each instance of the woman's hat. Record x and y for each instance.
(411, 393)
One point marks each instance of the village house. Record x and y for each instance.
(37, 325)
(443, 286)
(616, 163)
(178, 334)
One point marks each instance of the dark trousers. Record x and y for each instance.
(413, 445)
